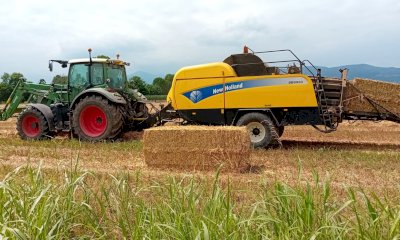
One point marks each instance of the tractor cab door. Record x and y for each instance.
(79, 77)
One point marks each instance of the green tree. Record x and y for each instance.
(153, 90)
(42, 81)
(169, 77)
(163, 84)
(5, 91)
(5, 78)
(8, 83)
(137, 82)
(160, 86)
(12, 79)
(60, 79)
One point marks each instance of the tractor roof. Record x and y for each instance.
(99, 60)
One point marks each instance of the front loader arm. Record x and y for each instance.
(17, 97)
(12, 103)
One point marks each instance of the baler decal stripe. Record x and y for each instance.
(197, 95)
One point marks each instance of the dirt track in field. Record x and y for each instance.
(339, 145)
(362, 154)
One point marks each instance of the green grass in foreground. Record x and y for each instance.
(84, 205)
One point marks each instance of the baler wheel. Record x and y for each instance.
(260, 128)
(281, 130)
(95, 119)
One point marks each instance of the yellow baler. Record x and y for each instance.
(243, 90)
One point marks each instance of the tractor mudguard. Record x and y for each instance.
(112, 96)
(47, 113)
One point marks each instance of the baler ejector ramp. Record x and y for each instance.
(367, 99)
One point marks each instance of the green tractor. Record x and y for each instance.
(94, 105)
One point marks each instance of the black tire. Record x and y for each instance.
(32, 125)
(281, 130)
(95, 119)
(260, 128)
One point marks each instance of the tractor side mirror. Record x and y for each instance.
(50, 66)
(64, 65)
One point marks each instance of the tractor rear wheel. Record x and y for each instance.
(260, 127)
(95, 119)
(32, 125)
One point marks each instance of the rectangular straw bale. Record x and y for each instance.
(384, 93)
(196, 147)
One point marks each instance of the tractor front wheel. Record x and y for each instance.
(95, 119)
(32, 125)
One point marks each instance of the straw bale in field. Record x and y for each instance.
(197, 147)
(384, 93)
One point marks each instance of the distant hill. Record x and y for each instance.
(390, 74)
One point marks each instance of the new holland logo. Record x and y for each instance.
(195, 96)
(228, 87)
(200, 94)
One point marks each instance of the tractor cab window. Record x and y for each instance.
(79, 76)
(97, 74)
(116, 75)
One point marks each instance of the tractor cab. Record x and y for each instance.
(93, 73)
(96, 72)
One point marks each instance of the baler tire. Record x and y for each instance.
(32, 125)
(258, 123)
(281, 130)
(96, 119)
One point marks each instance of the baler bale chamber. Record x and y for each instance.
(366, 99)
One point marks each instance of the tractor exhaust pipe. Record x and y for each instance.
(90, 56)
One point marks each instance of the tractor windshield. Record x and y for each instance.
(117, 76)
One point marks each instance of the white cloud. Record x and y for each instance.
(162, 36)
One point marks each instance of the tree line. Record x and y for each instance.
(159, 86)
(8, 83)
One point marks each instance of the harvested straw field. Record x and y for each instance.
(384, 93)
(366, 151)
(197, 147)
(106, 190)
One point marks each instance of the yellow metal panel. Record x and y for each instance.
(171, 95)
(272, 91)
(209, 70)
(215, 85)
(186, 98)
(194, 77)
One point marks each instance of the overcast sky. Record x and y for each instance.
(162, 36)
